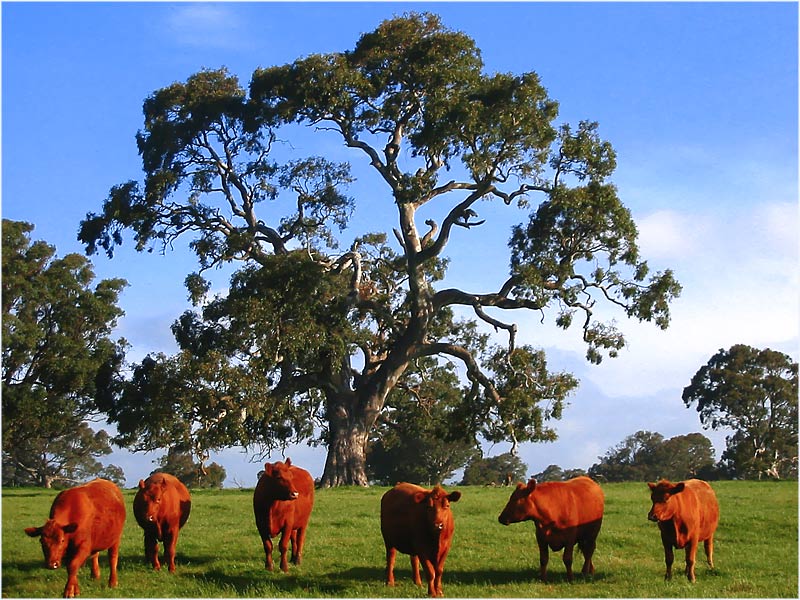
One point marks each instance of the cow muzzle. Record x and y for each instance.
(652, 517)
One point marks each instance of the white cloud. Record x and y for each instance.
(667, 234)
(201, 24)
(740, 285)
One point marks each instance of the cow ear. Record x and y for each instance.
(652, 486)
(288, 462)
(33, 531)
(454, 496)
(420, 497)
(531, 484)
(268, 469)
(141, 484)
(70, 528)
(679, 487)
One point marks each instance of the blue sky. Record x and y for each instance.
(698, 99)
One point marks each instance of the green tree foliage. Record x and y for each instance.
(420, 438)
(556, 473)
(57, 461)
(495, 470)
(754, 393)
(192, 474)
(56, 344)
(440, 135)
(647, 456)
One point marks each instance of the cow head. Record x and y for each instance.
(520, 506)
(281, 480)
(152, 493)
(660, 493)
(54, 539)
(437, 506)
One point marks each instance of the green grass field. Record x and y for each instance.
(220, 554)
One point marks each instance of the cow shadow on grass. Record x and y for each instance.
(514, 577)
(463, 577)
(279, 584)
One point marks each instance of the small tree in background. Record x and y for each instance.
(631, 460)
(191, 474)
(556, 473)
(495, 470)
(754, 393)
(421, 439)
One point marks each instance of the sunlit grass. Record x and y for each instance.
(220, 553)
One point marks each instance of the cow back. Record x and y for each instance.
(697, 510)
(96, 507)
(556, 504)
(570, 503)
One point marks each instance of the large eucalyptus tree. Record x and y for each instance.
(330, 334)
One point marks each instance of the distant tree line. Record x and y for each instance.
(647, 456)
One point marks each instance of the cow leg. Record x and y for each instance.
(170, 543)
(267, 541)
(587, 547)
(691, 554)
(669, 558)
(151, 549)
(95, 565)
(568, 550)
(708, 545)
(391, 554)
(113, 559)
(415, 570)
(438, 581)
(430, 574)
(298, 541)
(544, 557)
(284, 548)
(76, 561)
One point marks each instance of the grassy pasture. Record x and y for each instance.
(220, 554)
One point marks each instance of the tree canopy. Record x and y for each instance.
(754, 393)
(647, 456)
(503, 469)
(56, 347)
(193, 475)
(412, 101)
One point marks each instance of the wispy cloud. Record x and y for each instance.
(216, 25)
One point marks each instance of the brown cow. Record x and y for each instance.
(161, 507)
(418, 522)
(282, 503)
(565, 513)
(687, 513)
(84, 521)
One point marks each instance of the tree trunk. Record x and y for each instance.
(346, 463)
(350, 420)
